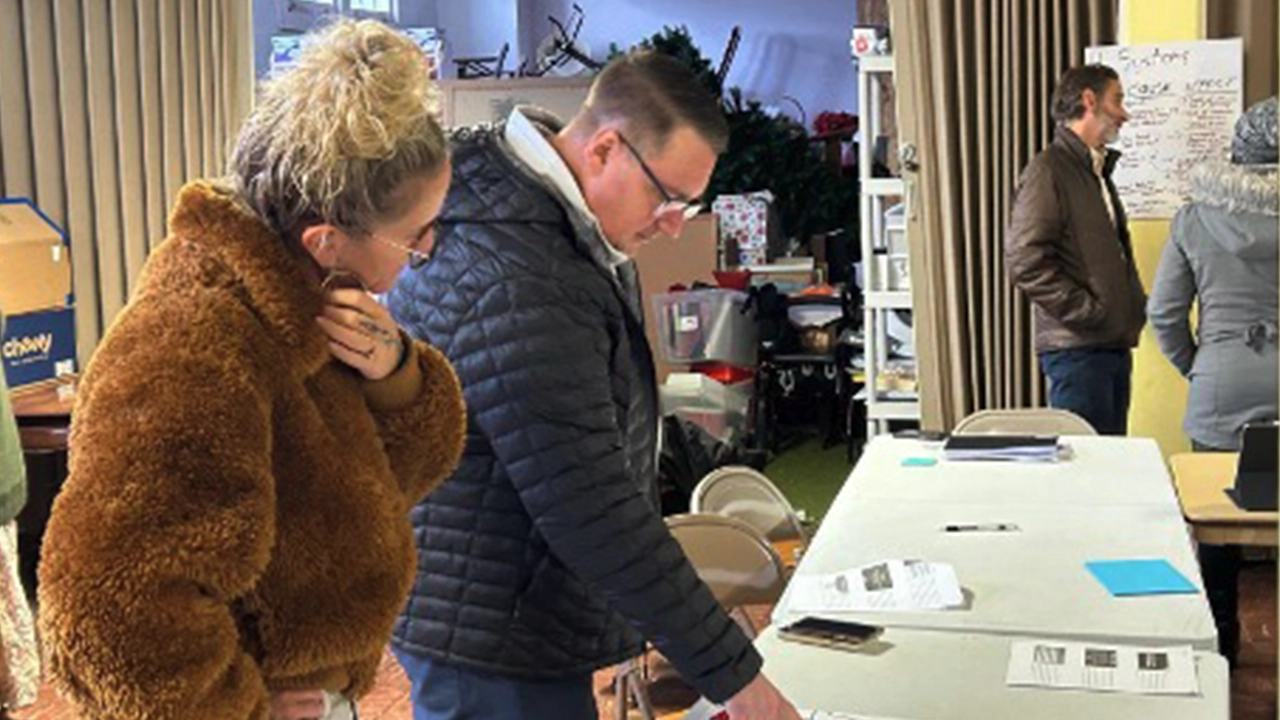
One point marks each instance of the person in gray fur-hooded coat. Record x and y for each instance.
(1223, 251)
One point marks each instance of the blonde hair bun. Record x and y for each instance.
(359, 86)
(332, 136)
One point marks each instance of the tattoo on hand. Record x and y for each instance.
(373, 328)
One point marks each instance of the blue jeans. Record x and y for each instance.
(1091, 383)
(448, 692)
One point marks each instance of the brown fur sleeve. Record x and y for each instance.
(401, 388)
(424, 440)
(166, 518)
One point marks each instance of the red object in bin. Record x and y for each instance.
(722, 373)
(733, 279)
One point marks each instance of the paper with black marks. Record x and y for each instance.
(1103, 668)
(891, 585)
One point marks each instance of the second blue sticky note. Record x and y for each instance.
(1140, 577)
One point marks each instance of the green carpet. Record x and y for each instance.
(809, 476)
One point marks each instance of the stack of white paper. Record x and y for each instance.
(1104, 668)
(1016, 448)
(902, 585)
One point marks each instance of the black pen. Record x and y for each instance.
(982, 527)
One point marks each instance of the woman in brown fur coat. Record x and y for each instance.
(232, 542)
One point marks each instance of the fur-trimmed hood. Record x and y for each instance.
(1240, 206)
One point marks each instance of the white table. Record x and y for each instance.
(1032, 581)
(1105, 471)
(925, 675)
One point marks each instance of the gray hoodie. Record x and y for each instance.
(1222, 251)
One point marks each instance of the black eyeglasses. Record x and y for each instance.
(670, 205)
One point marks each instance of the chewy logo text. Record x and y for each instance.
(23, 346)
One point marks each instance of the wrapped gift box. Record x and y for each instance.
(746, 225)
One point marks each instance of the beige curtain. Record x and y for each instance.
(1255, 21)
(974, 79)
(106, 108)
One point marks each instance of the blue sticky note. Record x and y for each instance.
(919, 462)
(1140, 577)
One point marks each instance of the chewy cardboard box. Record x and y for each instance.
(35, 262)
(38, 346)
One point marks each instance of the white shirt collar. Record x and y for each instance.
(531, 147)
(1099, 159)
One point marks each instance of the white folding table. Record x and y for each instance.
(1112, 499)
(1102, 471)
(1029, 581)
(928, 675)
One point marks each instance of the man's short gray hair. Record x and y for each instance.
(652, 95)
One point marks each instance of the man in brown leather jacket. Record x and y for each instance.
(1068, 249)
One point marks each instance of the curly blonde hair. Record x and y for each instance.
(332, 139)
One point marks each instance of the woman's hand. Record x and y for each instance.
(362, 333)
(299, 705)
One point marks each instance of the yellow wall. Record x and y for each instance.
(1159, 392)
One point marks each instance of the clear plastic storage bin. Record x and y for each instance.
(718, 408)
(706, 326)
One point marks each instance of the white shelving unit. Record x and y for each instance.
(880, 298)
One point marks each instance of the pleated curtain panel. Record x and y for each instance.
(974, 80)
(106, 108)
(1255, 22)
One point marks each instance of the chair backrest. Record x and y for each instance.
(740, 492)
(1024, 421)
(734, 560)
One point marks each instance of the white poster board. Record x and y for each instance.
(1184, 99)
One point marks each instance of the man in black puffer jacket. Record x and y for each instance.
(544, 557)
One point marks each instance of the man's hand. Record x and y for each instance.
(760, 700)
(299, 705)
